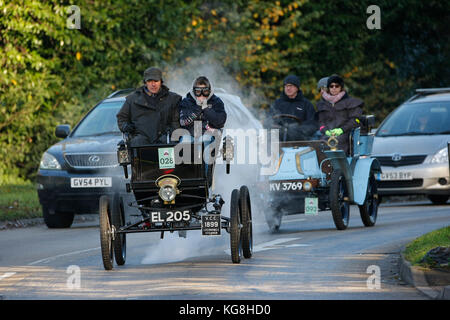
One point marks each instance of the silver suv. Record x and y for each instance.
(412, 147)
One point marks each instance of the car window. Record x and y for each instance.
(417, 119)
(101, 120)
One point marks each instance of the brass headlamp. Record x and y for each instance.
(168, 188)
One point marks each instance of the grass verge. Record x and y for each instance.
(418, 248)
(19, 201)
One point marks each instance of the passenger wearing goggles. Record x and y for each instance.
(201, 104)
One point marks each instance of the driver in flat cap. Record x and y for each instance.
(150, 113)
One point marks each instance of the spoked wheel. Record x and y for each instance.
(246, 218)
(106, 233)
(369, 209)
(235, 228)
(118, 220)
(339, 200)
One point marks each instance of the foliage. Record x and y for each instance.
(19, 201)
(50, 74)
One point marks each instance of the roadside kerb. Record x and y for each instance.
(415, 276)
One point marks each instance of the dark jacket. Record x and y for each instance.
(152, 116)
(299, 107)
(214, 116)
(342, 114)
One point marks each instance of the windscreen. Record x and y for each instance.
(102, 120)
(427, 118)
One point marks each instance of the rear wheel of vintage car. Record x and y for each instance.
(339, 200)
(246, 218)
(369, 210)
(57, 219)
(118, 220)
(438, 199)
(106, 242)
(235, 228)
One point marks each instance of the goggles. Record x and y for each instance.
(202, 91)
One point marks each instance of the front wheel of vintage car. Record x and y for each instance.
(339, 200)
(57, 219)
(235, 228)
(438, 199)
(118, 220)
(246, 218)
(369, 209)
(106, 230)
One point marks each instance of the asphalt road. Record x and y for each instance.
(307, 259)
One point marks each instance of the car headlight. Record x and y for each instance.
(49, 162)
(167, 193)
(168, 187)
(440, 157)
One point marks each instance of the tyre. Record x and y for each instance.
(58, 219)
(246, 218)
(369, 210)
(235, 229)
(106, 233)
(118, 220)
(438, 199)
(339, 200)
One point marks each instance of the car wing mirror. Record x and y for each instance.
(62, 131)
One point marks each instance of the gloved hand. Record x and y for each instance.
(129, 128)
(337, 131)
(328, 133)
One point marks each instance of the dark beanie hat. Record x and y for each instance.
(335, 79)
(292, 79)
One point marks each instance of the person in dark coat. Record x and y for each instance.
(201, 104)
(338, 113)
(293, 102)
(150, 113)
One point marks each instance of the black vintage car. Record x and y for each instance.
(172, 192)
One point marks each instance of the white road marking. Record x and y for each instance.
(61, 255)
(275, 244)
(295, 220)
(7, 275)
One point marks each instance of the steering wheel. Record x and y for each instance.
(286, 116)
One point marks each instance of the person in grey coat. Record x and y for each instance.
(338, 113)
(150, 113)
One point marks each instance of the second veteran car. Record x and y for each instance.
(411, 146)
(313, 175)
